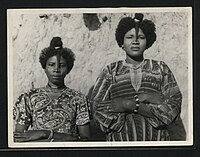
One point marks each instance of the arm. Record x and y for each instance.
(84, 132)
(42, 136)
(23, 117)
(104, 119)
(127, 105)
(83, 118)
(167, 111)
(160, 108)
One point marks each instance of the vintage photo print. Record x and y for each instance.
(100, 77)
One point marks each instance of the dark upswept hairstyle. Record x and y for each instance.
(127, 23)
(55, 48)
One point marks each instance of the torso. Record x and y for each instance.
(136, 127)
(60, 112)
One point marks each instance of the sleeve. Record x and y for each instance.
(82, 109)
(167, 111)
(22, 112)
(100, 97)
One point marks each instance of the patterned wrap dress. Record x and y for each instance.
(120, 79)
(36, 110)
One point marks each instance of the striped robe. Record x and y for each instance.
(116, 80)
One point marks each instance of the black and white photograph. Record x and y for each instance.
(100, 77)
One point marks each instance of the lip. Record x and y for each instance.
(56, 77)
(135, 48)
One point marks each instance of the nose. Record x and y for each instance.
(57, 70)
(135, 41)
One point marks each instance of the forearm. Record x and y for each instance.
(57, 137)
(167, 111)
(84, 135)
(143, 108)
(84, 132)
(42, 135)
(106, 120)
(63, 137)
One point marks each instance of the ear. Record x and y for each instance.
(45, 71)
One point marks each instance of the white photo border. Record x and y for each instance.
(11, 144)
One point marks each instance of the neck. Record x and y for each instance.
(134, 60)
(54, 86)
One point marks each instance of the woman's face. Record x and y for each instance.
(134, 47)
(54, 74)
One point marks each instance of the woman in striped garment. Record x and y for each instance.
(137, 99)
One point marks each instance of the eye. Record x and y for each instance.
(51, 64)
(62, 65)
(141, 37)
(129, 37)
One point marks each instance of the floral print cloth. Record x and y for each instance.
(35, 109)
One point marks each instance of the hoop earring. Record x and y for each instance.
(123, 47)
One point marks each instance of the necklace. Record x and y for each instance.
(136, 78)
(49, 88)
(135, 67)
(136, 74)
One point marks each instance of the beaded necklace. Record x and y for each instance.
(55, 89)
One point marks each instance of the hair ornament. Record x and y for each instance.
(56, 43)
(138, 18)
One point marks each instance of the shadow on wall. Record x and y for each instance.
(92, 21)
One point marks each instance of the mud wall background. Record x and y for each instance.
(92, 38)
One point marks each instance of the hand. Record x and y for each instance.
(31, 135)
(122, 105)
(153, 97)
(62, 137)
(117, 105)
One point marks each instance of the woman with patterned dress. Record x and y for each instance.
(54, 112)
(137, 99)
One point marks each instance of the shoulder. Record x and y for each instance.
(157, 63)
(154, 61)
(114, 66)
(77, 98)
(74, 93)
(24, 97)
(30, 92)
(109, 69)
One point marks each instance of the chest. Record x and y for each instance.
(128, 82)
(52, 113)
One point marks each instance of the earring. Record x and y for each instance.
(123, 47)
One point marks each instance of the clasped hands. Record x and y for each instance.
(123, 104)
(38, 135)
(31, 135)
